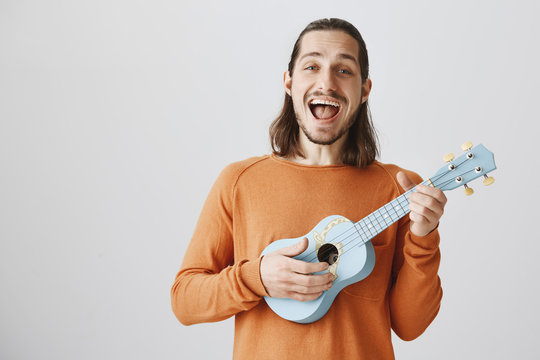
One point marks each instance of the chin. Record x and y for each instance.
(323, 139)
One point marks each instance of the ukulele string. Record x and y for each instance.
(356, 235)
(311, 256)
(364, 242)
(354, 230)
(434, 180)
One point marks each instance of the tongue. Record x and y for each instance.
(324, 111)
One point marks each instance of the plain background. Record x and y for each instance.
(117, 116)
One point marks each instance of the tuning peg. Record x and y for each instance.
(488, 180)
(448, 157)
(466, 146)
(468, 190)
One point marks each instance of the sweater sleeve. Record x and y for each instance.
(211, 285)
(416, 293)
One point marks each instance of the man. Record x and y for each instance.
(323, 164)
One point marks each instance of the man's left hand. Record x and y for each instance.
(426, 205)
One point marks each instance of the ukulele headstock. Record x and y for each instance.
(474, 163)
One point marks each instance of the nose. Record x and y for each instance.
(326, 81)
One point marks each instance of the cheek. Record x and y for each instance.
(355, 98)
(298, 94)
(297, 100)
(300, 85)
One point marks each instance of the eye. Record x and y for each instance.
(345, 71)
(311, 67)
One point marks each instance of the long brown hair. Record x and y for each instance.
(361, 146)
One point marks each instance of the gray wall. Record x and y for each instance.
(117, 116)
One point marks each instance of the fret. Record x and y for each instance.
(374, 222)
(367, 227)
(397, 209)
(362, 230)
(382, 218)
(380, 221)
(392, 212)
(364, 235)
(380, 225)
(360, 233)
(371, 228)
(402, 200)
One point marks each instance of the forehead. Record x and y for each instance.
(329, 43)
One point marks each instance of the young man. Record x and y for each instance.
(323, 164)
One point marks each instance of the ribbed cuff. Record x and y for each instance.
(251, 275)
(427, 242)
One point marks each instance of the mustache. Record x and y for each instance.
(332, 94)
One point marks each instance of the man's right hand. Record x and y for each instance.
(285, 277)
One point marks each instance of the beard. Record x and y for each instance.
(324, 140)
(330, 139)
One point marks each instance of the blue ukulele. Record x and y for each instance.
(346, 246)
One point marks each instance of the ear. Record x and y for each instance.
(287, 82)
(366, 89)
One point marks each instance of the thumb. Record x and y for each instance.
(404, 181)
(294, 249)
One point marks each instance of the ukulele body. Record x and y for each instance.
(351, 261)
(349, 244)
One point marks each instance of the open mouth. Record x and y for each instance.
(324, 109)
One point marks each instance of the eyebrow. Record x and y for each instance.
(318, 54)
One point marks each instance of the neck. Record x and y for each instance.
(315, 154)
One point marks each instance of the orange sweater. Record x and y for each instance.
(262, 199)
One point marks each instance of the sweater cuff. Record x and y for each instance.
(426, 242)
(251, 275)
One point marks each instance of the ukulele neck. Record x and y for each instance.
(386, 215)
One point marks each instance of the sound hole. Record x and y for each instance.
(328, 253)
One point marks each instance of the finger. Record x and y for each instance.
(303, 267)
(311, 280)
(403, 180)
(295, 249)
(303, 297)
(417, 218)
(423, 214)
(428, 202)
(435, 193)
(307, 290)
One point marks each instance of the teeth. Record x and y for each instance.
(324, 102)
